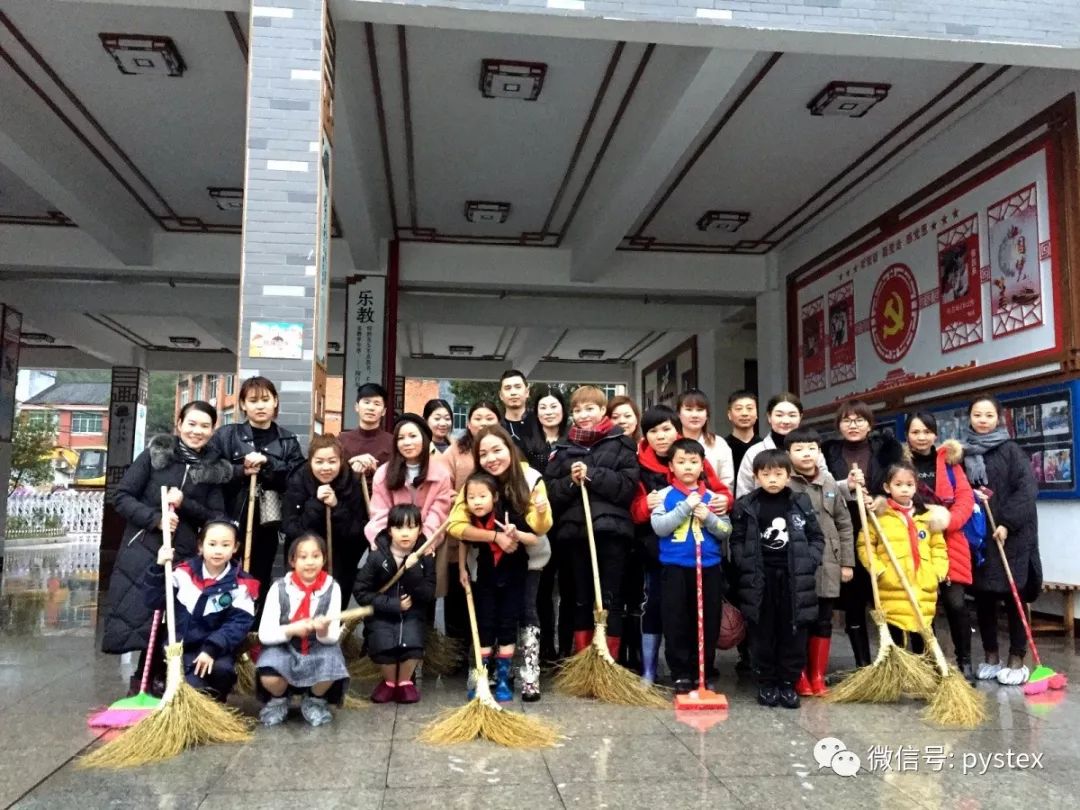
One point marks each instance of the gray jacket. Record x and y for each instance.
(832, 513)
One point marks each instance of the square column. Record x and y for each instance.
(285, 270)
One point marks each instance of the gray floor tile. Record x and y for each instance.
(614, 759)
(339, 767)
(817, 790)
(703, 792)
(23, 768)
(475, 763)
(471, 797)
(589, 719)
(365, 798)
(117, 800)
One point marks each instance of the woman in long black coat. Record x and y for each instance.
(994, 461)
(193, 472)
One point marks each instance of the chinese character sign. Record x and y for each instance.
(365, 324)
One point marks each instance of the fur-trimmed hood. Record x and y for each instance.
(211, 469)
(950, 450)
(937, 517)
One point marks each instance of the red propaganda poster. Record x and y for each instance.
(894, 313)
(960, 285)
(842, 334)
(813, 345)
(1016, 298)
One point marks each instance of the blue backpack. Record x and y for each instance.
(975, 528)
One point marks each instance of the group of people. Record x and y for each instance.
(773, 522)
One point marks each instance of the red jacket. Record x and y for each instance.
(960, 501)
(652, 467)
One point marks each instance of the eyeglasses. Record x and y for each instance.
(854, 421)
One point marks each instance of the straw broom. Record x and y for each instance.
(245, 664)
(185, 717)
(894, 669)
(482, 717)
(953, 703)
(592, 672)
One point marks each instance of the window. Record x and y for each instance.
(461, 416)
(185, 396)
(211, 388)
(41, 418)
(196, 384)
(230, 383)
(227, 417)
(86, 422)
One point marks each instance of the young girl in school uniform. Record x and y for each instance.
(299, 632)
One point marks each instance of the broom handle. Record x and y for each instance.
(913, 600)
(479, 661)
(356, 613)
(700, 608)
(366, 492)
(166, 542)
(250, 521)
(599, 600)
(156, 622)
(1012, 583)
(418, 554)
(329, 541)
(860, 500)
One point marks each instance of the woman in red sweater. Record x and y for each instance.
(942, 481)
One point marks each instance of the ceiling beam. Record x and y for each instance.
(539, 312)
(75, 329)
(360, 195)
(128, 298)
(46, 155)
(530, 347)
(550, 371)
(615, 202)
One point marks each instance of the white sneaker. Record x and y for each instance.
(1013, 677)
(988, 672)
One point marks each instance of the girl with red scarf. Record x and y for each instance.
(603, 458)
(300, 653)
(914, 533)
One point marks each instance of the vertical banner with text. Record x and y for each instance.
(365, 324)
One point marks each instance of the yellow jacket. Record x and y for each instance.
(933, 563)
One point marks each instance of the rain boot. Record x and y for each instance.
(504, 693)
(472, 676)
(650, 652)
(582, 639)
(613, 643)
(802, 686)
(817, 663)
(530, 663)
(860, 645)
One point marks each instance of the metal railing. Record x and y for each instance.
(71, 513)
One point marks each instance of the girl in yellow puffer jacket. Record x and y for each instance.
(914, 533)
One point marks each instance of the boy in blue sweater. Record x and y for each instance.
(681, 520)
(215, 607)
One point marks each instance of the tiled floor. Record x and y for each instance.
(610, 757)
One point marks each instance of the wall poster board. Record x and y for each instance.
(965, 285)
(663, 380)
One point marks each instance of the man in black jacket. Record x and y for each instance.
(521, 422)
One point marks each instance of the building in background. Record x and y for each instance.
(222, 391)
(80, 412)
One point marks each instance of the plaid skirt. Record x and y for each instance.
(324, 662)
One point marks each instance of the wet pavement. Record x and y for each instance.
(51, 678)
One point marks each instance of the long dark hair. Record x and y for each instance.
(396, 467)
(558, 397)
(513, 488)
(465, 440)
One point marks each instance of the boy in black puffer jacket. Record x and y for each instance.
(600, 456)
(776, 548)
(395, 634)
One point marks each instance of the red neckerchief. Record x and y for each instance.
(907, 514)
(587, 437)
(685, 490)
(303, 610)
(488, 524)
(201, 582)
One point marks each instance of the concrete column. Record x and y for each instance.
(127, 438)
(772, 343)
(285, 269)
(10, 335)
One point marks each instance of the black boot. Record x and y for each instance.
(768, 696)
(860, 645)
(788, 697)
(964, 665)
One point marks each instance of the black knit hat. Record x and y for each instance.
(417, 420)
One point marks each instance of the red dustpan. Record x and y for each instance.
(700, 699)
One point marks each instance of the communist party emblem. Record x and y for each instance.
(894, 313)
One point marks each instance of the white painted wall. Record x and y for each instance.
(1029, 94)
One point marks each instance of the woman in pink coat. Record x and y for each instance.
(410, 477)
